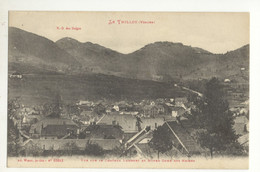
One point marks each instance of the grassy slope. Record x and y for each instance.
(38, 89)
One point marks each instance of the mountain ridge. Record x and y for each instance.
(159, 61)
(29, 48)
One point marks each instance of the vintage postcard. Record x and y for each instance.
(128, 90)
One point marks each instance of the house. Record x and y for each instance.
(16, 75)
(160, 101)
(182, 140)
(150, 110)
(104, 131)
(167, 108)
(58, 131)
(177, 111)
(153, 123)
(87, 113)
(85, 120)
(109, 110)
(137, 141)
(31, 119)
(100, 109)
(179, 101)
(127, 122)
(86, 117)
(36, 129)
(152, 103)
(138, 108)
(129, 113)
(27, 111)
(227, 80)
(169, 104)
(106, 144)
(146, 139)
(123, 106)
(85, 103)
(116, 108)
(143, 150)
(161, 109)
(244, 140)
(241, 125)
(61, 144)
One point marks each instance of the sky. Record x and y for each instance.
(215, 32)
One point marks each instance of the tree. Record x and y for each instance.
(71, 148)
(99, 109)
(213, 115)
(13, 133)
(34, 150)
(94, 149)
(57, 106)
(118, 150)
(138, 123)
(161, 140)
(73, 109)
(53, 109)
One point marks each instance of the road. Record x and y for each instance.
(193, 91)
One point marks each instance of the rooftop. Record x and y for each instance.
(127, 122)
(58, 130)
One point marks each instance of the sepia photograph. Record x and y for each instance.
(128, 89)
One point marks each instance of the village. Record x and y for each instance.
(90, 89)
(122, 128)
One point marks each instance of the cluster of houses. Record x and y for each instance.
(120, 125)
(237, 91)
(92, 111)
(124, 126)
(112, 131)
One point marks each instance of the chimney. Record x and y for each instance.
(77, 133)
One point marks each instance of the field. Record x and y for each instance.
(39, 89)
